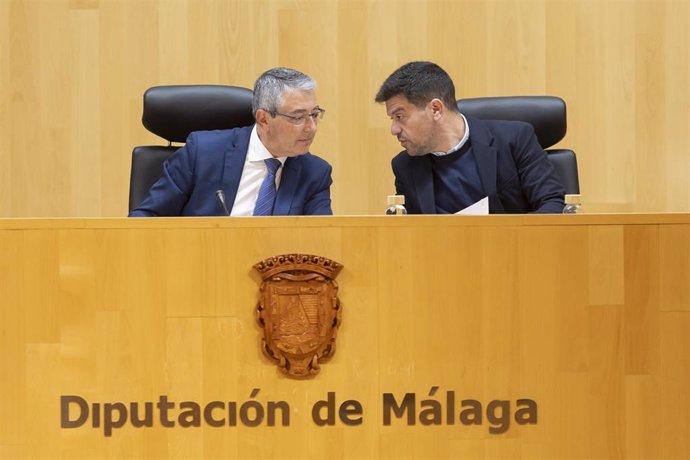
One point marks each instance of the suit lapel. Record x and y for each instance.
(486, 157)
(287, 188)
(234, 164)
(423, 180)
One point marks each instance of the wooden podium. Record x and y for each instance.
(450, 326)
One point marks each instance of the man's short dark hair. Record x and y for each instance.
(419, 82)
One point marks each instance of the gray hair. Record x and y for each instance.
(270, 86)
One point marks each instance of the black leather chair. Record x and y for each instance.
(172, 112)
(547, 114)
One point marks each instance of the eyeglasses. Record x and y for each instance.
(316, 115)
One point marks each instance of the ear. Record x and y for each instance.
(262, 117)
(437, 108)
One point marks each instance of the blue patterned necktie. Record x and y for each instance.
(267, 192)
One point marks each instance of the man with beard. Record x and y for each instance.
(451, 161)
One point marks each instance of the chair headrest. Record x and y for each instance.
(172, 112)
(547, 114)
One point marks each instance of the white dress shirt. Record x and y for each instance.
(253, 174)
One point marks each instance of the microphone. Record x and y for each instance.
(220, 194)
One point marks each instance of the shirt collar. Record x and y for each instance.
(257, 151)
(459, 144)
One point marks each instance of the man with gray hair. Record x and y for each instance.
(260, 170)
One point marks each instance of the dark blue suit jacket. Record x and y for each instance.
(213, 160)
(516, 174)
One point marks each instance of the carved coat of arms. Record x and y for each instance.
(299, 311)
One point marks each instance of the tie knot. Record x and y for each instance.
(272, 164)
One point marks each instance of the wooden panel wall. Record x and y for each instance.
(72, 73)
(586, 315)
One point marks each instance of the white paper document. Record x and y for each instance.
(479, 208)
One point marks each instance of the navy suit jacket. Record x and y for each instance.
(515, 173)
(213, 160)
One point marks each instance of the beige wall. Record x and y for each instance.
(72, 73)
